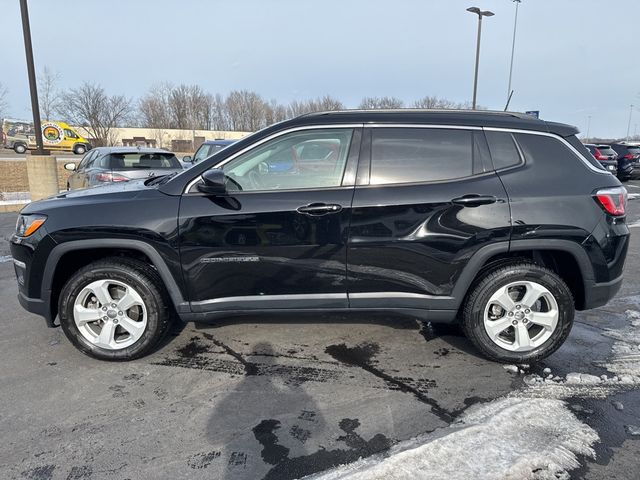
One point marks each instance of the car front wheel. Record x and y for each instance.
(19, 148)
(519, 313)
(114, 309)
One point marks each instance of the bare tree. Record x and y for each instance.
(219, 118)
(48, 93)
(275, 112)
(321, 104)
(246, 111)
(153, 108)
(4, 103)
(89, 106)
(374, 103)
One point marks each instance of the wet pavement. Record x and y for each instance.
(279, 397)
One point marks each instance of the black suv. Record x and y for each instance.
(500, 221)
(629, 155)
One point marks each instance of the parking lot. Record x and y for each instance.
(285, 397)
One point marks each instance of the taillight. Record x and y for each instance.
(612, 200)
(111, 177)
(628, 156)
(598, 155)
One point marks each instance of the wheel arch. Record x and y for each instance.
(67, 258)
(566, 258)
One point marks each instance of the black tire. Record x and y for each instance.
(489, 283)
(79, 149)
(144, 279)
(19, 148)
(68, 187)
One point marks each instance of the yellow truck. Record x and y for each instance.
(19, 136)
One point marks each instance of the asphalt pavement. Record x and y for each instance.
(284, 397)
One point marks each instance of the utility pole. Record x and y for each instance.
(513, 49)
(629, 124)
(35, 106)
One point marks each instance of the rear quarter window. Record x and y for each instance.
(550, 154)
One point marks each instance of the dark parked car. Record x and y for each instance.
(630, 155)
(605, 155)
(208, 148)
(455, 216)
(120, 164)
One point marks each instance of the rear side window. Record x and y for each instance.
(409, 155)
(549, 153)
(504, 151)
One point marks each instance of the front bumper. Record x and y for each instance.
(37, 307)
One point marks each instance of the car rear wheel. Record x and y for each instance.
(518, 313)
(114, 309)
(80, 150)
(19, 148)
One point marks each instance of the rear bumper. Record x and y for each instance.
(599, 294)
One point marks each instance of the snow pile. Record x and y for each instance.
(625, 361)
(510, 438)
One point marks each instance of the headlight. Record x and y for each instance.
(28, 224)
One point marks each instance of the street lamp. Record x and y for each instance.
(513, 47)
(480, 14)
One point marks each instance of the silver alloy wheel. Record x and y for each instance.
(110, 314)
(521, 316)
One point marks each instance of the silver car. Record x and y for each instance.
(120, 164)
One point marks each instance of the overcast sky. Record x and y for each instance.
(574, 58)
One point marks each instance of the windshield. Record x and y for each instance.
(140, 160)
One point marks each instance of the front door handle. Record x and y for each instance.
(474, 200)
(318, 209)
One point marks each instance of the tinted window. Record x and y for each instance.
(309, 159)
(406, 155)
(550, 153)
(504, 152)
(124, 161)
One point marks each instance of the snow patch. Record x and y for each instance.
(516, 438)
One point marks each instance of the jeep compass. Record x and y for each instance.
(499, 221)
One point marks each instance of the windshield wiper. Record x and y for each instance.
(160, 179)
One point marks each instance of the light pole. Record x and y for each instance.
(588, 126)
(28, 49)
(513, 47)
(480, 14)
(629, 124)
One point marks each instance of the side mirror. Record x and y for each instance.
(213, 182)
(70, 166)
(187, 159)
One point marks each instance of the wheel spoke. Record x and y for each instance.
(101, 291)
(134, 328)
(522, 339)
(544, 319)
(496, 327)
(106, 339)
(129, 300)
(503, 299)
(83, 315)
(534, 292)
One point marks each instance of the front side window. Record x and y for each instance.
(410, 155)
(87, 158)
(298, 160)
(202, 153)
(69, 134)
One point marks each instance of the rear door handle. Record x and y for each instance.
(474, 200)
(318, 209)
